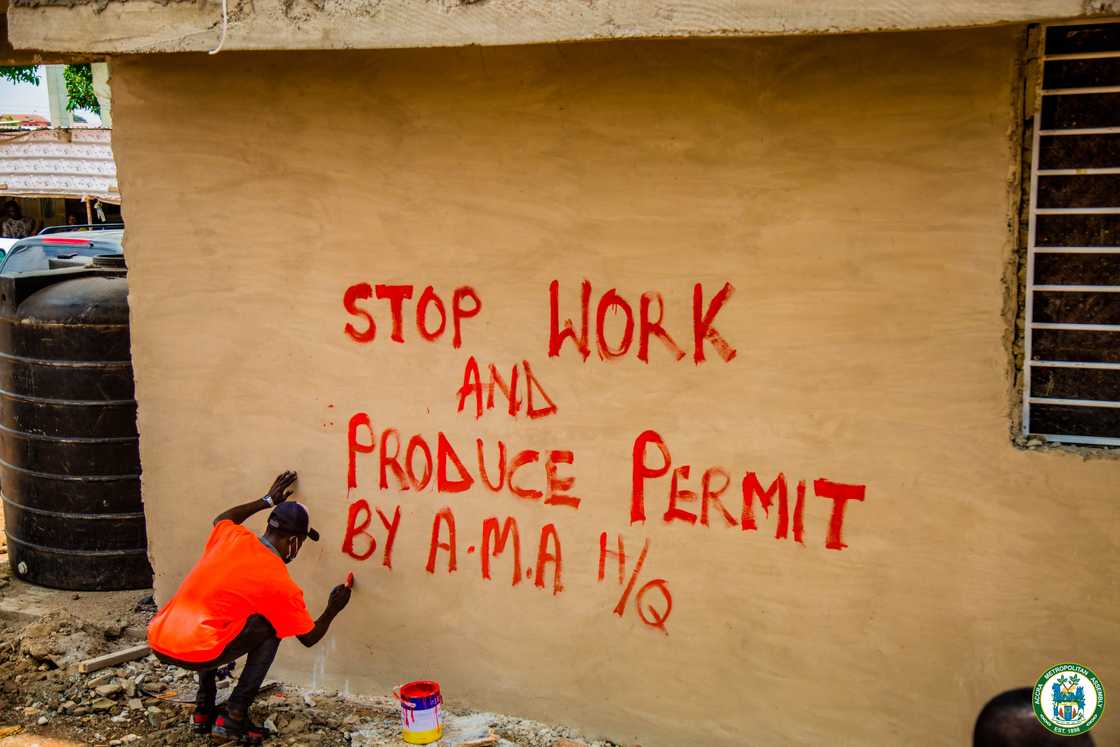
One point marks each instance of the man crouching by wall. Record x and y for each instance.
(237, 601)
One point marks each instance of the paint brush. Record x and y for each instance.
(350, 580)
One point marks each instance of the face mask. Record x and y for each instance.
(291, 551)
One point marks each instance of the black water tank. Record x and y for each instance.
(69, 452)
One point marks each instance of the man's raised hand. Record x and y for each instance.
(282, 487)
(277, 494)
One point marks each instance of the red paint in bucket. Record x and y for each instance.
(422, 689)
(421, 720)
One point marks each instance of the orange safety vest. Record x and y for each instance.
(237, 576)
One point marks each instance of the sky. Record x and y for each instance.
(24, 98)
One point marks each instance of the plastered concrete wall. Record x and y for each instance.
(115, 26)
(854, 193)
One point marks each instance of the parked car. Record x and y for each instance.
(62, 246)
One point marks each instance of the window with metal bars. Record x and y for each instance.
(1071, 334)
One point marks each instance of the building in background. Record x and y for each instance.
(56, 163)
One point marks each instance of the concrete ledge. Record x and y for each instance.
(22, 602)
(114, 26)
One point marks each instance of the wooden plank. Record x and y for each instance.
(118, 657)
(489, 741)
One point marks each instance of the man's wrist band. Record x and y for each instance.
(268, 499)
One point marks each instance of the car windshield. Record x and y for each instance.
(37, 257)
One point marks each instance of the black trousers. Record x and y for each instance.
(258, 643)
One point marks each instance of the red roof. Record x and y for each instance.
(23, 121)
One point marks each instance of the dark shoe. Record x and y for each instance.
(243, 731)
(202, 721)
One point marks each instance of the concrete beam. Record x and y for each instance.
(12, 56)
(118, 27)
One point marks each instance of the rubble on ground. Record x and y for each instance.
(61, 639)
(144, 702)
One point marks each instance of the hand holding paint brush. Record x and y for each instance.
(340, 596)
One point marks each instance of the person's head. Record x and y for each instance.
(71, 220)
(1008, 720)
(289, 526)
(11, 209)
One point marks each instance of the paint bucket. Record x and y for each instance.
(421, 720)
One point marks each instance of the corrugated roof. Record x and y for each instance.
(58, 163)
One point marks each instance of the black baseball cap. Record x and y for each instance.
(293, 518)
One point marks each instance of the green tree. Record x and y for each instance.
(79, 83)
(79, 88)
(20, 74)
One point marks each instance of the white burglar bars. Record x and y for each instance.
(1071, 362)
